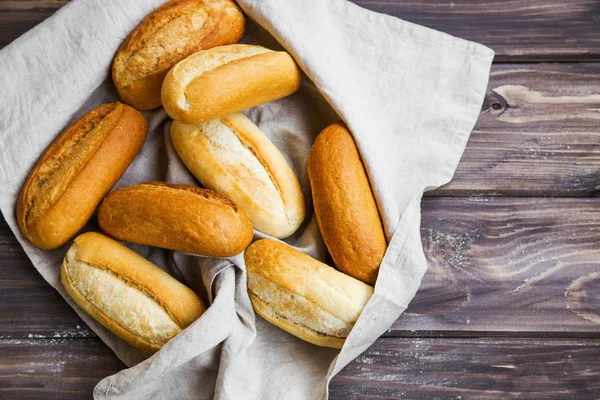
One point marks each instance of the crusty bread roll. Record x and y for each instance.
(344, 204)
(177, 217)
(301, 295)
(165, 37)
(233, 157)
(127, 294)
(76, 171)
(213, 83)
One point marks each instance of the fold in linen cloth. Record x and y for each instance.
(410, 95)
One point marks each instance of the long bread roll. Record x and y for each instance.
(76, 171)
(233, 157)
(166, 36)
(301, 295)
(344, 204)
(213, 83)
(127, 294)
(176, 217)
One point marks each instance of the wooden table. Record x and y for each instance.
(510, 306)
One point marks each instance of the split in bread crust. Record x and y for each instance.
(213, 83)
(301, 295)
(233, 157)
(76, 171)
(126, 293)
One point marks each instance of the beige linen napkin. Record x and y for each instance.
(409, 94)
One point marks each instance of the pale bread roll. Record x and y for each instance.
(233, 157)
(77, 171)
(177, 217)
(301, 295)
(127, 294)
(344, 204)
(213, 83)
(166, 36)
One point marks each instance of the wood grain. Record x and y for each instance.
(392, 368)
(472, 369)
(54, 369)
(526, 266)
(497, 266)
(538, 134)
(18, 16)
(518, 30)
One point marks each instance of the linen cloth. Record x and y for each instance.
(409, 94)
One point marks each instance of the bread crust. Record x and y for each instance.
(166, 36)
(233, 157)
(181, 304)
(344, 204)
(190, 96)
(301, 332)
(308, 292)
(77, 171)
(176, 217)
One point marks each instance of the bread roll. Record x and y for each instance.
(344, 204)
(301, 295)
(76, 171)
(213, 83)
(233, 157)
(177, 217)
(166, 36)
(127, 294)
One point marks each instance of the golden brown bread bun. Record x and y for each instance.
(344, 204)
(176, 217)
(127, 294)
(166, 36)
(233, 157)
(76, 171)
(301, 295)
(213, 83)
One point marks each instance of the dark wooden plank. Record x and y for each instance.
(538, 134)
(392, 368)
(54, 369)
(18, 16)
(38, 312)
(472, 369)
(519, 30)
(29, 307)
(508, 265)
(497, 266)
